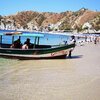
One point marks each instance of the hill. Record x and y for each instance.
(51, 21)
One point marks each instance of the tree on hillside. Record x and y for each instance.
(65, 26)
(78, 28)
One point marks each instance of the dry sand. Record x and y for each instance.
(60, 79)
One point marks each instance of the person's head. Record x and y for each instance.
(28, 39)
(73, 37)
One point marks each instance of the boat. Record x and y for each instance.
(12, 33)
(37, 51)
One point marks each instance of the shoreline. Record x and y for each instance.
(77, 78)
(52, 32)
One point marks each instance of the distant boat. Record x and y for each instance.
(37, 51)
(12, 33)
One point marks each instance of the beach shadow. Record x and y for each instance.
(75, 57)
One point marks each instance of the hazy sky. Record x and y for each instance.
(8, 7)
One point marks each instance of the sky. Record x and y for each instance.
(9, 7)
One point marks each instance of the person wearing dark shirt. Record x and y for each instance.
(29, 44)
(16, 44)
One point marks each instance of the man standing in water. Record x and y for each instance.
(73, 41)
(95, 40)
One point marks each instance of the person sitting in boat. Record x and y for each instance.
(29, 44)
(16, 44)
(25, 46)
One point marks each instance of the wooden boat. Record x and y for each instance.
(37, 51)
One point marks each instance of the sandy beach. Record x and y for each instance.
(77, 78)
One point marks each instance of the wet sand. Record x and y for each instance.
(77, 78)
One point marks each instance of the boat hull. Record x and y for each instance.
(36, 53)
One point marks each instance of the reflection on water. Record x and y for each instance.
(7, 62)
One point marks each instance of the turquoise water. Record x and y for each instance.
(48, 39)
